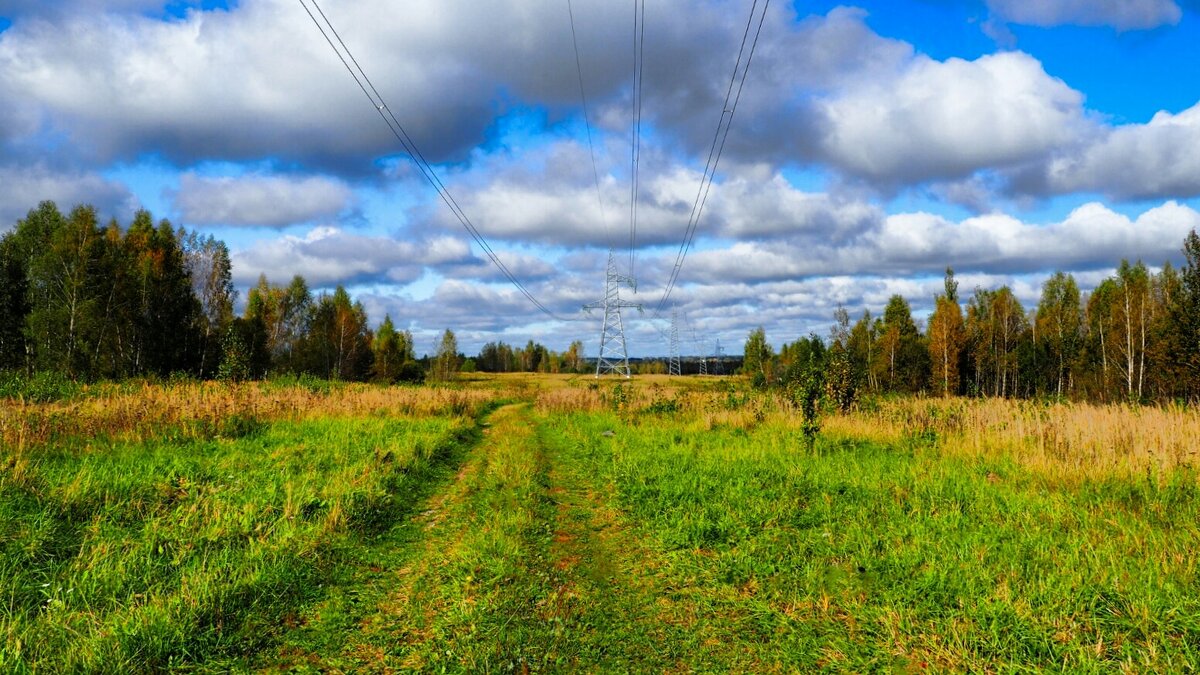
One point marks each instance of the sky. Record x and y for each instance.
(874, 145)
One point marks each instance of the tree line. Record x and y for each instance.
(100, 301)
(1136, 336)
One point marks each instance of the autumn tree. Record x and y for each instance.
(285, 313)
(1119, 316)
(1165, 377)
(1058, 328)
(946, 337)
(862, 348)
(995, 327)
(444, 367)
(841, 376)
(165, 309)
(902, 360)
(387, 349)
(758, 362)
(65, 293)
(573, 357)
(337, 344)
(211, 272)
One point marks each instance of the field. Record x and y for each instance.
(546, 523)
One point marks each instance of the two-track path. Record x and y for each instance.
(515, 561)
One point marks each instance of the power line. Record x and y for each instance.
(588, 125)
(397, 129)
(639, 48)
(717, 148)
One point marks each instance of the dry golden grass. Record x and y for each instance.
(198, 408)
(1062, 439)
(1076, 438)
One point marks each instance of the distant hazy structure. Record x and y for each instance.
(673, 364)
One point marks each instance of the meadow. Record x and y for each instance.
(552, 523)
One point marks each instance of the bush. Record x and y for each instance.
(42, 387)
(306, 381)
(411, 372)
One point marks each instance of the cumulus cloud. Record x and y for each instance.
(259, 200)
(1156, 160)
(948, 119)
(524, 267)
(1119, 14)
(327, 256)
(1092, 236)
(24, 187)
(548, 195)
(259, 80)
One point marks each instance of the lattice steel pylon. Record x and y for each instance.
(699, 347)
(718, 358)
(673, 365)
(613, 356)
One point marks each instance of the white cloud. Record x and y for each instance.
(260, 80)
(259, 200)
(328, 256)
(948, 119)
(1119, 14)
(1091, 237)
(1135, 161)
(22, 188)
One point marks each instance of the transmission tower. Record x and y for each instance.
(613, 356)
(696, 344)
(718, 355)
(673, 364)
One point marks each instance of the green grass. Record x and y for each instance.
(859, 557)
(119, 557)
(626, 541)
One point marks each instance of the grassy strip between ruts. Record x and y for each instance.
(123, 556)
(512, 568)
(522, 564)
(455, 587)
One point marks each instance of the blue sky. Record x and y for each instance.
(876, 143)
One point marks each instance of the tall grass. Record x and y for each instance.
(1068, 440)
(207, 409)
(151, 530)
(863, 556)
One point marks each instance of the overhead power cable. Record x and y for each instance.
(639, 48)
(368, 88)
(588, 125)
(728, 109)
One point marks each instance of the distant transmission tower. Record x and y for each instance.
(613, 356)
(718, 358)
(696, 344)
(673, 364)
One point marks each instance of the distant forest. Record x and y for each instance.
(97, 301)
(1135, 337)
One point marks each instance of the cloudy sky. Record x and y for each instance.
(874, 144)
